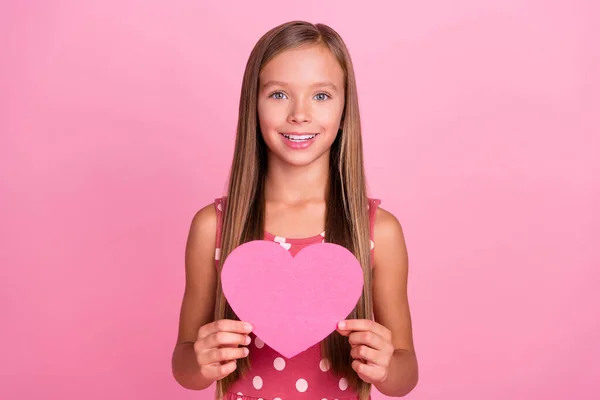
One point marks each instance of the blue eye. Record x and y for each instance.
(277, 95)
(281, 96)
(322, 96)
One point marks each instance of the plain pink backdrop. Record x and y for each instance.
(481, 135)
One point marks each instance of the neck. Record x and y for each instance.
(292, 184)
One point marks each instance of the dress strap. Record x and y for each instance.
(373, 204)
(219, 208)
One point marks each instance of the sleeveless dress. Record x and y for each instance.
(305, 376)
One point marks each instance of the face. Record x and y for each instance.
(300, 104)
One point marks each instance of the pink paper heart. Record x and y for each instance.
(292, 302)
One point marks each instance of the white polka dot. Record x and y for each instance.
(259, 343)
(257, 382)
(301, 385)
(239, 393)
(279, 364)
(372, 245)
(286, 246)
(217, 254)
(323, 233)
(219, 206)
(343, 384)
(324, 365)
(276, 398)
(279, 239)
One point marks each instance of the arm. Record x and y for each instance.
(198, 299)
(382, 349)
(390, 302)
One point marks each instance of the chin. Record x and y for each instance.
(297, 161)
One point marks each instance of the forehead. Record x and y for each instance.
(304, 66)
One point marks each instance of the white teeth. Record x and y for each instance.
(299, 138)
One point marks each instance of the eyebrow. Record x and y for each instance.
(317, 84)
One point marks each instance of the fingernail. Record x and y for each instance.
(342, 325)
(247, 327)
(248, 340)
(246, 351)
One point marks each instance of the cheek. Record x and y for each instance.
(329, 117)
(269, 117)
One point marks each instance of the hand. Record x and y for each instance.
(217, 347)
(372, 348)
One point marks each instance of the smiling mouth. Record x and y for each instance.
(299, 138)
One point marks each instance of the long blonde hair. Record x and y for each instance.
(347, 220)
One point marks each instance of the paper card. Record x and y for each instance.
(292, 302)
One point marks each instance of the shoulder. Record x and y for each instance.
(388, 235)
(205, 217)
(387, 225)
(203, 227)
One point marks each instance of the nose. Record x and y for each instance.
(299, 112)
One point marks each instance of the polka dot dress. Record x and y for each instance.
(272, 376)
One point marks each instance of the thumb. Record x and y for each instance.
(342, 330)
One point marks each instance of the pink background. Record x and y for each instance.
(481, 134)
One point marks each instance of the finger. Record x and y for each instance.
(369, 373)
(228, 339)
(369, 339)
(224, 325)
(216, 372)
(367, 355)
(218, 355)
(349, 325)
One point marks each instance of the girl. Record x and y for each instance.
(297, 178)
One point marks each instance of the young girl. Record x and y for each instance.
(297, 178)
